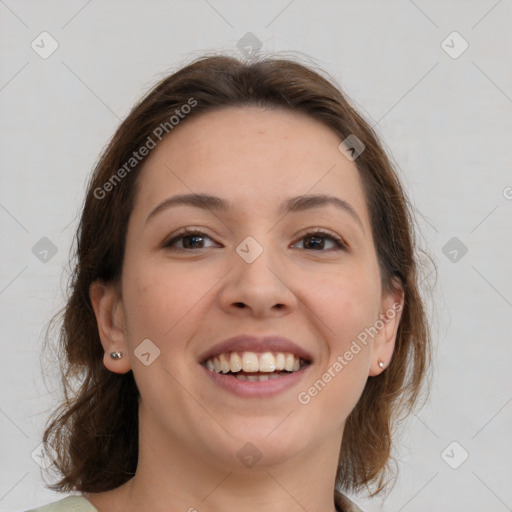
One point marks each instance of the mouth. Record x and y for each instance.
(255, 367)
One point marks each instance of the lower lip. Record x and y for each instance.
(259, 389)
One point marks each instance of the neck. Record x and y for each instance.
(174, 476)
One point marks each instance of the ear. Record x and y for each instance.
(392, 305)
(109, 312)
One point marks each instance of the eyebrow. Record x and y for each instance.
(290, 205)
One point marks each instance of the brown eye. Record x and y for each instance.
(317, 241)
(190, 240)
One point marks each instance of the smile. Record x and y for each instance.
(228, 369)
(253, 363)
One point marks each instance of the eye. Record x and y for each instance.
(190, 240)
(318, 238)
(194, 239)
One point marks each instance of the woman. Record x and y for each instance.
(244, 317)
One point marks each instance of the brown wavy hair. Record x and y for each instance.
(94, 433)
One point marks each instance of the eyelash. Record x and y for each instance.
(325, 235)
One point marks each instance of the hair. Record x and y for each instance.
(93, 434)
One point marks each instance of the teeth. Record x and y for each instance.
(235, 364)
(250, 362)
(253, 362)
(267, 362)
(224, 363)
(256, 378)
(259, 378)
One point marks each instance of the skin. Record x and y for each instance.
(191, 430)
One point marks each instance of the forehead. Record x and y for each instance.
(250, 156)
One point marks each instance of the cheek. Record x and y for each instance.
(161, 301)
(347, 302)
(162, 305)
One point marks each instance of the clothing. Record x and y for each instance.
(346, 505)
(81, 504)
(69, 504)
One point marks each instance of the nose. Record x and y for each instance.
(258, 288)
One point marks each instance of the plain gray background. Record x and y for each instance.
(444, 114)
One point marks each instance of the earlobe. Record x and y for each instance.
(388, 322)
(109, 312)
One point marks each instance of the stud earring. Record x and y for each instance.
(381, 364)
(116, 355)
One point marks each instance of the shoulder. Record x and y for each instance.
(69, 504)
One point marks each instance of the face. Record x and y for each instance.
(186, 293)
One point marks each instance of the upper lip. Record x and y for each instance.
(259, 344)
